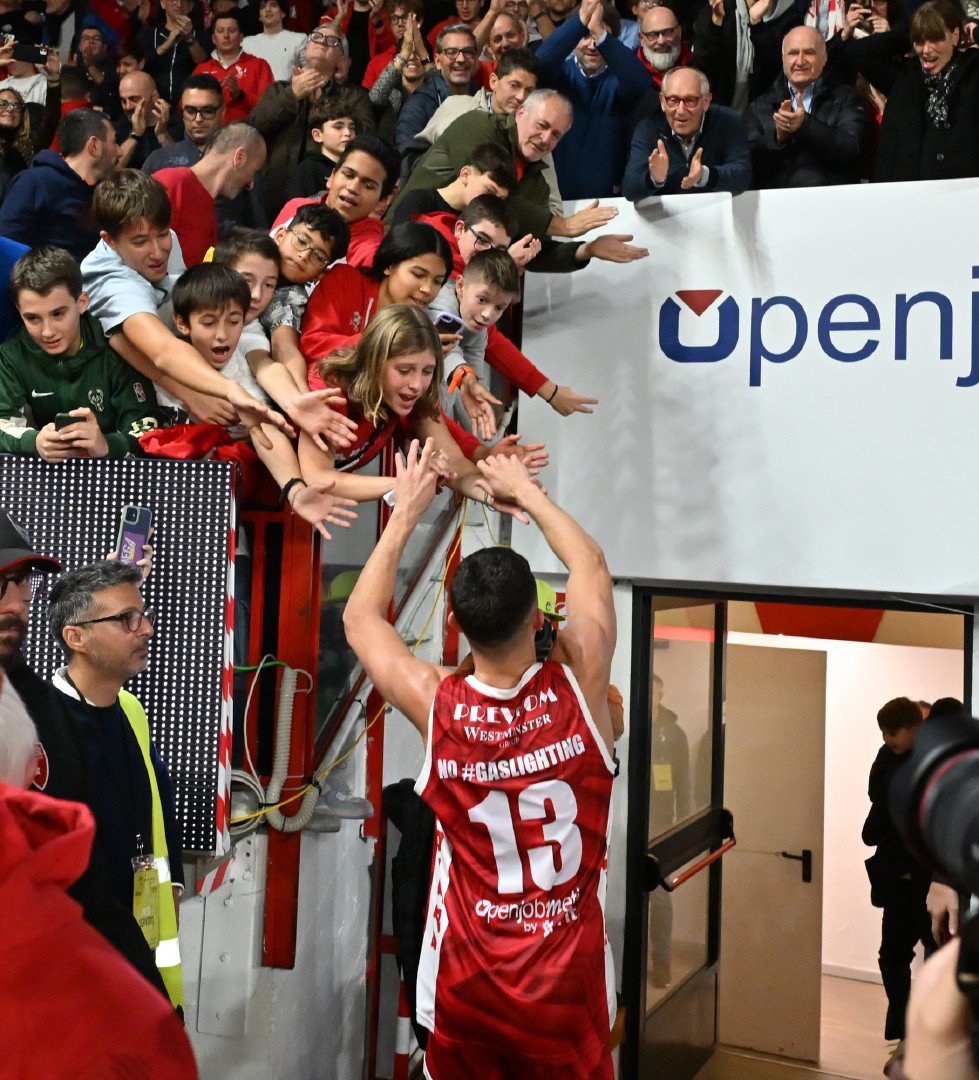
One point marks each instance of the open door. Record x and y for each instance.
(771, 921)
(675, 820)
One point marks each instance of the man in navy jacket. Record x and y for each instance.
(51, 202)
(603, 79)
(688, 146)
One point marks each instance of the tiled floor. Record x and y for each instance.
(852, 1044)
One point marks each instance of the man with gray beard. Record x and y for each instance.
(661, 44)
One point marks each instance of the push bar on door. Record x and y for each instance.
(656, 879)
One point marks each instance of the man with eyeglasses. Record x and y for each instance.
(202, 111)
(96, 67)
(457, 58)
(661, 45)
(98, 617)
(689, 145)
(282, 114)
(585, 61)
(61, 771)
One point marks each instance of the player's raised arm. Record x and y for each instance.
(408, 683)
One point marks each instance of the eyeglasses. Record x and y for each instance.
(11, 106)
(468, 52)
(305, 246)
(399, 18)
(646, 5)
(483, 242)
(94, 38)
(27, 581)
(653, 35)
(673, 102)
(132, 620)
(208, 112)
(329, 40)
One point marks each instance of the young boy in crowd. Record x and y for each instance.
(333, 129)
(63, 392)
(898, 884)
(358, 189)
(129, 277)
(489, 170)
(210, 305)
(487, 286)
(315, 237)
(255, 255)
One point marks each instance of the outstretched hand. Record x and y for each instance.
(329, 429)
(479, 405)
(253, 414)
(508, 482)
(591, 217)
(315, 504)
(416, 476)
(533, 455)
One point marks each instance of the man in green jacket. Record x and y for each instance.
(63, 391)
(529, 134)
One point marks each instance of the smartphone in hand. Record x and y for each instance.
(134, 530)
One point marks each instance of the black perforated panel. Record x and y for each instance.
(71, 511)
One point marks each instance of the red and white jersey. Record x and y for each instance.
(515, 951)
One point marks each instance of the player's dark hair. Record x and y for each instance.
(493, 592)
(898, 714)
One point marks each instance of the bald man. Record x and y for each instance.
(807, 129)
(144, 126)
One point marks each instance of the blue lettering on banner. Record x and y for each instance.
(831, 325)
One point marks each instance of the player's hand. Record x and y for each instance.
(478, 403)
(415, 480)
(253, 414)
(509, 483)
(84, 438)
(315, 504)
(329, 429)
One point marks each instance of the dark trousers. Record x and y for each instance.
(905, 922)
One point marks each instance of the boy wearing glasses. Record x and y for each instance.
(59, 365)
(98, 617)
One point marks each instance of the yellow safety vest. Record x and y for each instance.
(168, 951)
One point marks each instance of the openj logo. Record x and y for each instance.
(847, 336)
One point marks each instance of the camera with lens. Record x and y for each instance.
(934, 801)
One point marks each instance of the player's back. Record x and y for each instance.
(515, 952)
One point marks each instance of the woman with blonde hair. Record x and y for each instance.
(390, 380)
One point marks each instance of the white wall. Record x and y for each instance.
(860, 677)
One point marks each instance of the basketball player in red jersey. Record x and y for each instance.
(516, 980)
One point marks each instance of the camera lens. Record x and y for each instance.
(934, 798)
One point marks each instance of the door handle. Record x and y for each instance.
(806, 859)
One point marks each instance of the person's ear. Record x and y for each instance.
(83, 301)
(317, 134)
(539, 619)
(181, 325)
(460, 285)
(465, 173)
(458, 229)
(74, 638)
(108, 239)
(453, 623)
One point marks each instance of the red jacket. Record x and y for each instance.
(378, 38)
(254, 77)
(57, 974)
(501, 353)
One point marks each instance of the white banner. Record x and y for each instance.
(789, 391)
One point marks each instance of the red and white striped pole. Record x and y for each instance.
(402, 1035)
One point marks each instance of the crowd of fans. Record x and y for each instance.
(382, 154)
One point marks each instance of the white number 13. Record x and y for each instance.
(550, 800)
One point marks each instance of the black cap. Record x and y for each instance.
(16, 548)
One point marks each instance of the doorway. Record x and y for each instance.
(709, 653)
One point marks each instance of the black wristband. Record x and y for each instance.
(553, 392)
(288, 486)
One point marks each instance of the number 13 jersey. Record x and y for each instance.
(515, 952)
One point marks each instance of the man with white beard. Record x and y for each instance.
(661, 44)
